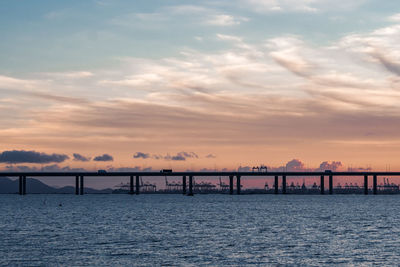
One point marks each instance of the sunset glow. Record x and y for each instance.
(200, 85)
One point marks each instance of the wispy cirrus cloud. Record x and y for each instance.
(7, 82)
(394, 18)
(69, 74)
(299, 6)
(224, 20)
(193, 14)
(273, 93)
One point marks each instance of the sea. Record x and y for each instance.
(203, 230)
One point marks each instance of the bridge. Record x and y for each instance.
(187, 188)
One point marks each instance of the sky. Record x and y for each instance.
(199, 85)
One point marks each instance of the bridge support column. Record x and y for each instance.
(238, 186)
(20, 185)
(230, 185)
(284, 184)
(365, 184)
(24, 186)
(276, 185)
(190, 186)
(131, 191)
(322, 184)
(82, 187)
(76, 185)
(375, 185)
(137, 185)
(184, 185)
(330, 184)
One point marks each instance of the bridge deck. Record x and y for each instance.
(242, 174)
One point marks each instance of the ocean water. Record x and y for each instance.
(154, 230)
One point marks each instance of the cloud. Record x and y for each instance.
(207, 16)
(189, 154)
(359, 169)
(70, 75)
(395, 18)
(292, 165)
(298, 165)
(295, 165)
(104, 157)
(22, 156)
(41, 89)
(267, 6)
(206, 170)
(187, 9)
(333, 166)
(133, 19)
(299, 6)
(7, 82)
(141, 155)
(79, 157)
(57, 168)
(244, 169)
(387, 62)
(224, 20)
(47, 168)
(225, 37)
(130, 169)
(379, 46)
(181, 156)
(58, 98)
(157, 156)
(192, 14)
(177, 157)
(281, 92)
(291, 53)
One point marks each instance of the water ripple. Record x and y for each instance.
(145, 230)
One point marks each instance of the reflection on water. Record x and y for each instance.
(200, 230)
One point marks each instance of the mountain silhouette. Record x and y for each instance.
(34, 186)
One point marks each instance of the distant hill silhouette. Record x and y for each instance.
(34, 186)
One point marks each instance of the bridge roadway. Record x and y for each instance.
(135, 187)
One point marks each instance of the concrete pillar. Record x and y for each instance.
(375, 185)
(184, 185)
(322, 184)
(238, 185)
(131, 191)
(276, 185)
(82, 186)
(365, 184)
(284, 184)
(190, 186)
(77, 185)
(231, 185)
(137, 185)
(20, 185)
(330, 184)
(24, 185)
